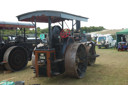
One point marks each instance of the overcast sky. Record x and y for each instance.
(112, 14)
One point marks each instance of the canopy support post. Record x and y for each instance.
(49, 32)
(62, 25)
(0, 35)
(35, 31)
(72, 29)
(24, 35)
(16, 31)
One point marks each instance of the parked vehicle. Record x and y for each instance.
(105, 41)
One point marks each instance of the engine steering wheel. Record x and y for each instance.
(65, 33)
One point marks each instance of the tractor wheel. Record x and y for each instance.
(91, 61)
(16, 58)
(99, 47)
(107, 46)
(76, 60)
(92, 58)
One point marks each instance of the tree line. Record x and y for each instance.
(85, 29)
(92, 29)
(45, 30)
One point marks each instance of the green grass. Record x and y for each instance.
(111, 68)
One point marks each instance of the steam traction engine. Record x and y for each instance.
(66, 51)
(15, 52)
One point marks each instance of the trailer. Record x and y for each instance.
(15, 50)
(67, 49)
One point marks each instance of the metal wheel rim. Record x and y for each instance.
(75, 65)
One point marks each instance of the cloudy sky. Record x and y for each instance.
(112, 14)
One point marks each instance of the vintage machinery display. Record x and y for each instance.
(16, 50)
(67, 50)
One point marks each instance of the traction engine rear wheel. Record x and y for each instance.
(16, 58)
(76, 60)
(92, 61)
(92, 53)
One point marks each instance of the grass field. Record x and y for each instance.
(111, 68)
(113, 32)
